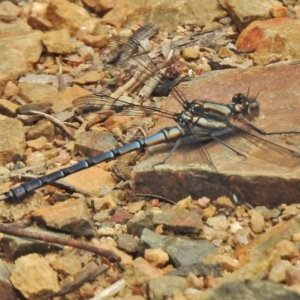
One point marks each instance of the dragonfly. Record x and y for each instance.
(201, 120)
(213, 123)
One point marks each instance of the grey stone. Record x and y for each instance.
(181, 251)
(251, 290)
(127, 243)
(180, 221)
(137, 224)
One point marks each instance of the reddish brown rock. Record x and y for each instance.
(254, 180)
(269, 46)
(244, 13)
(71, 216)
(121, 216)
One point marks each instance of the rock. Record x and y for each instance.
(35, 92)
(12, 140)
(263, 37)
(8, 11)
(8, 108)
(181, 251)
(64, 14)
(262, 253)
(228, 263)
(106, 202)
(92, 144)
(106, 231)
(104, 244)
(137, 224)
(121, 216)
(147, 269)
(250, 290)
(17, 27)
(33, 277)
(90, 181)
(37, 144)
(87, 53)
(136, 206)
(292, 276)
(39, 23)
(165, 287)
(176, 181)
(154, 12)
(198, 269)
(67, 265)
(11, 89)
(218, 222)
(257, 221)
(243, 13)
(43, 129)
(278, 271)
(296, 237)
(127, 243)
(89, 77)
(6, 289)
(99, 6)
(181, 221)
(58, 41)
(96, 41)
(156, 257)
(71, 216)
(14, 64)
(63, 99)
(101, 216)
(268, 213)
(225, 52)
(287, 249)
(189, 53)
(15, 247)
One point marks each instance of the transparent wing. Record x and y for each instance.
(130, 54)
(259, 147)
(103, 102)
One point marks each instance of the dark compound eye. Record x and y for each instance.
(253, 109)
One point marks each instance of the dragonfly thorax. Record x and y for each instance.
(183, 118)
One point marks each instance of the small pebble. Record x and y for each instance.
(190, 53)
(156, 257)
(218, 222)
(287, 249)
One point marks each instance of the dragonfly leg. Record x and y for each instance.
(215, 138)
(176, 145)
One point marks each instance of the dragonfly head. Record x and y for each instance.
(248, 107)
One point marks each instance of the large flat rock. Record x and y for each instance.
(252, 180)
